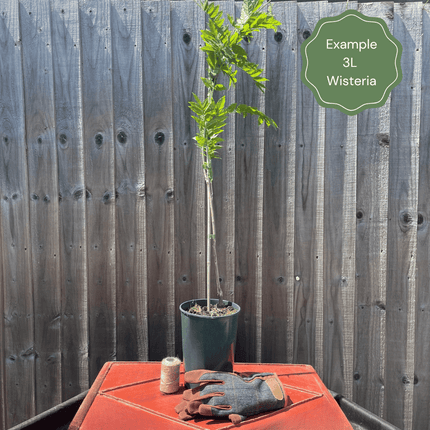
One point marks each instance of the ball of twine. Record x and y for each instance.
(169, 378)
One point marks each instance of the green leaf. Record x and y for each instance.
(219, 87)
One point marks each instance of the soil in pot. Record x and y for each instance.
(214, 311)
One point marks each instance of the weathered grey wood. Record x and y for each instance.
(249, 207)
(422, 336)
(279, 188)
(339, 242)
(159, 180)
(68, 115)
(189, 193)
(402, 218)
(309, 209)
(18, 373)
(373, 141)
(43, 188)
(2, 364)
(129, 174)
(99, 177)
(224, 190)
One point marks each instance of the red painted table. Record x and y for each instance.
(126, 396)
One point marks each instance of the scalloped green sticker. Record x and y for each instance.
(351, 62)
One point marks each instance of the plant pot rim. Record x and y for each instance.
(188, 314)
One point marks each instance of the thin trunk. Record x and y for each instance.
(208, 246)
(218, 285)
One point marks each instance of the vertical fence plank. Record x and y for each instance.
(339, 242)
(309, 206)
(18, 385)
(99, 176)
(67, 81)
(224, 190)
(160, 190)
(371, 251)
(129, 175)
(43, 188)
(187, 67)
(279, 188)
(249, 207)
(2, 313)
(402, 221)
(2, 332)
(422, 335)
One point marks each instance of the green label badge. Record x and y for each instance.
(351, 62)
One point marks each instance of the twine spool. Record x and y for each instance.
(169, 379)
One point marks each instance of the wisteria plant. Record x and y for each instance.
(225, 56)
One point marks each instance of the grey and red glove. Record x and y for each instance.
(228, 395)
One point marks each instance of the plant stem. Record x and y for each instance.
(218, 285)
(208, 249)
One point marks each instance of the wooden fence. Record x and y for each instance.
(323, 224)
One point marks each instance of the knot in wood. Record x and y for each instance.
(306, 34)
(380, 305)
(169, 194)
(278, 36)
(186, 38)
(406, 380)
(390, 13)
(78, 194)
(122, 137)
(106, 197)
(98, 140)
(383, 139)
(63, 139)
(405, 218)
(159, 138)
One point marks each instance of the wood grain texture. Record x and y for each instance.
(159, 181)
(279, 188)
(309, 208)
(224, 190)
(249, 207)
(2, 349)
(129, 177)
(44, 209)
(189, 194)
(339, 242)
(422, 345)
(17, 315)
(68, 115)
(402, 218)
(95, 24)
(373, 148)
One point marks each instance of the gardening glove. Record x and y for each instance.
(228, 395)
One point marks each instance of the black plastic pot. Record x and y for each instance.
(208, 342)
